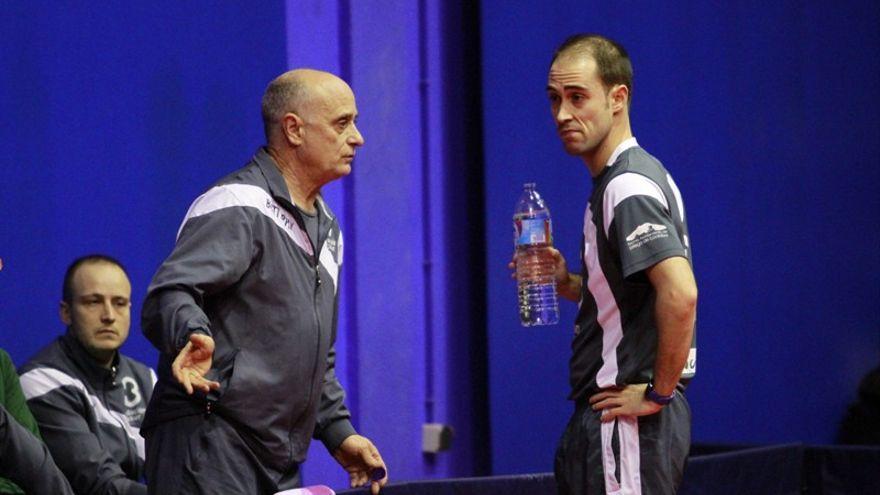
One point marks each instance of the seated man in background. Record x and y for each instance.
(87, 397)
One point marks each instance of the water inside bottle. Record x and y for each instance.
(536, 285)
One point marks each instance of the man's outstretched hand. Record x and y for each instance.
(193, 363)
(361, 459)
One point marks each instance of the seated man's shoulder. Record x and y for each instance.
(51, 355)
(51, 370)
(51, 384)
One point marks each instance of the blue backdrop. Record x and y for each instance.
(766, 115)
(115, 118)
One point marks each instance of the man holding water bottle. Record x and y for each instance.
(633, 349)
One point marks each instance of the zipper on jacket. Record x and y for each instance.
(108, 401)
(315, 293)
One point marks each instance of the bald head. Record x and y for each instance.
(294, 91)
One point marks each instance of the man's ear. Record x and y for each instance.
(619, 97)
(64, 312)
(292, 126)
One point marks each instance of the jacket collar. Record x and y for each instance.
(279, 191)
(274, 179)
(278, 187)
(96, 374)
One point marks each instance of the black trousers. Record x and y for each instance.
(631, 455)
(205, 455)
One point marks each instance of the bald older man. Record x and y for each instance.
(244, 311)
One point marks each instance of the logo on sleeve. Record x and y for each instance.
(646, 233)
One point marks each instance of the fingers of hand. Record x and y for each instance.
(375, 486)
(187, 382)
(202, 383)
(610, 414)
(177, 373)
(191, 380)
(181, 356)
(601, 396)
(358, 478)
(608, 403)
(611, 402)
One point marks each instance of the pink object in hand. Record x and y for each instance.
(309, 490)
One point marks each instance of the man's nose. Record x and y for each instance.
(108, 314)
(355, 139)
(562, 114)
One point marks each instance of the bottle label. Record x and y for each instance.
(532, 231)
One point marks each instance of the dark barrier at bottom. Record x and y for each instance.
(762, 470)
(719, 470)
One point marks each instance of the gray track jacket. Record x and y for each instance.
(245, 272)
(89, 416)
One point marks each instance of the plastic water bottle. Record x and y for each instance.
(533, 236)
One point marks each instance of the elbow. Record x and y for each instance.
(680, 303)
(689, 298)
(687, 303)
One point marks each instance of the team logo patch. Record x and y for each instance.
(331, 243)
(132, 392)
(646, 233)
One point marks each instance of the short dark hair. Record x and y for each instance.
(282, 95)
(612, 60)
(67, 288)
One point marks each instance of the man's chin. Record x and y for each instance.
(107, 345)
(574, 149)
(342, 170)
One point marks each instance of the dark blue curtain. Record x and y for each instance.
(115, 118)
